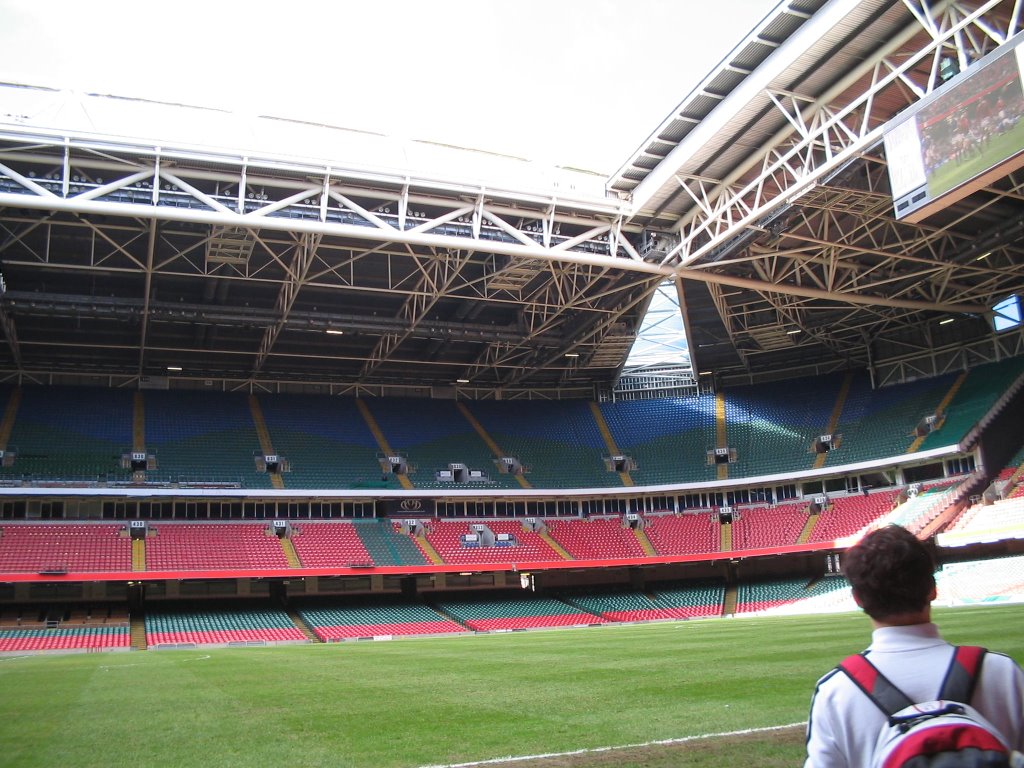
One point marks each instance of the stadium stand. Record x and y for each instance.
(326, 442)
(326, 544)
(374, 617)
(997, 580)
(171, 626)
(772, 426)
(768, 526)
(69, 434)
(448, 538)
(64, 639)
(559, 442)
(202, 437)
(61, 547)
(881, 422)
(691, 533)
(79, 434)
(494, 613)
(434, 435)
(982, 388)
(213, 546)
(668, 438)
(831, 593)
(595, 538)
(848, 515)
(698, 600)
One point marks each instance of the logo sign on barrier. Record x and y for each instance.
(411, 506)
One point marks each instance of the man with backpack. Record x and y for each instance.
(902, 697)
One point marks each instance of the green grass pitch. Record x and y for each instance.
(439, 701)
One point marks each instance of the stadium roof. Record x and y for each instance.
(196, 247)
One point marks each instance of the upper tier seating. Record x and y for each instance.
(69, 434)
(772, 426)
(668, 438)
(325, 440)
(445, 536)
(433, 434)
(848, 515)
(880, 422)
(559, 442)
(203, 437)
(75, 548)
(976, 396)
(213, 546)
(595, 538)
(691, 533)
(768, 526)
(329, 543)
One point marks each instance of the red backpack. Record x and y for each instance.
(945, 733)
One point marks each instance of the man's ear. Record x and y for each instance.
(856, 599)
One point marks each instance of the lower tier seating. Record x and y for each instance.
(168, 626)
(64, 638)
(366, 618)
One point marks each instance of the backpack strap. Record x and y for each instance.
(886, 696)
(957, 685)
(962, 674)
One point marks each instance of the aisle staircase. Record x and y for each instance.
(645, 542)
(264, 435)
(562, 553)
(10, 414)
(382, 442)
(940, 409)
(805, 534)
(489, 441)
(138, 555)
(721, 433)
(302, 625)
(726, 537)
(138, 631)
(609, 441)
(138, 423)
(837, 411)
(429, 551)
(290, 554)
(729, 603)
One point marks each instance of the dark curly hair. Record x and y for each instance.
(891, 571)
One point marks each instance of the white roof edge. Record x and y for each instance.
(91, 116)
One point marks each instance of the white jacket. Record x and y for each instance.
(844, 723)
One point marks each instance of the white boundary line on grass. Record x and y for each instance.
(661, 742)
(108, 667)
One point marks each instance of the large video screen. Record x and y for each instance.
(965, 135)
